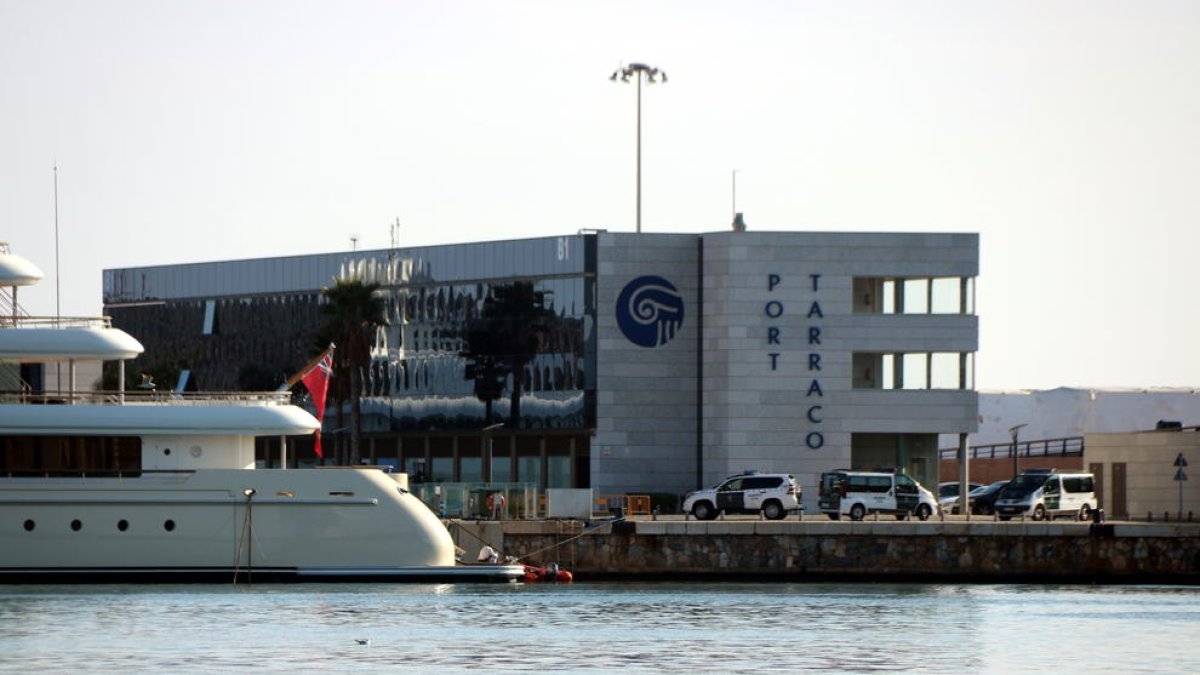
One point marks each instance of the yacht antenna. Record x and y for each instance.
(57, 288)
(57, 284)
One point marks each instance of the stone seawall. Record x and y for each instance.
(870, 551)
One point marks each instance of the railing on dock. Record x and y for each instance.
(1071, 446)
(147, 397)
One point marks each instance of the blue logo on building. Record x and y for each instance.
(649, 311)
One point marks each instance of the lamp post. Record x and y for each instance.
(487, 435)
(639, 71)
(1014, 432)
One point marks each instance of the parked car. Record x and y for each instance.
(948, 495)
(857, 493)
(772, 494)
(983, 499)
(1044, 493)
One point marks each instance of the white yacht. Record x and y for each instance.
(147, 485)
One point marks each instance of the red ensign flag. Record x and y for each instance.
(317, 381)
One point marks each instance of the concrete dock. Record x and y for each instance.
(818, 549)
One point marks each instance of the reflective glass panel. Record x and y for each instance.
(529, 469)
(558, 471)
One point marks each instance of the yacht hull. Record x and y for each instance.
(297, 525)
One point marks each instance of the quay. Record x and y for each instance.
(823, 550)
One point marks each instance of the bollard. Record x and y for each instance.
(1166, 516)
(1149, 516)
(1189, 516)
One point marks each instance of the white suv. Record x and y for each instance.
(773, 494)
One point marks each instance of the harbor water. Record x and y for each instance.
(599, 627)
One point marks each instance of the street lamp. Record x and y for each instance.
(649, 73)
(487, 434)
(1014, 432)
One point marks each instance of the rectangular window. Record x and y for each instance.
(470, 469)
(946, 294)
(502, 468)
(889, 296)
(914, 370)
(915, 374)
(916, 296)
(70, 455)
(913, 295)
(558, 471)
(945, 370)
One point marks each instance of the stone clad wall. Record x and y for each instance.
(984, 552)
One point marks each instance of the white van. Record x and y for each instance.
(1046, 493)
(857, 493)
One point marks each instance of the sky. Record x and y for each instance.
(1067, 134)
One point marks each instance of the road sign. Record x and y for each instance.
(1180, 461)
(1180, 475)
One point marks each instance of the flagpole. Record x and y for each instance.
(309, 366)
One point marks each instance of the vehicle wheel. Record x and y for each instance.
(704, 511)
(857, 512)
(923, 511)
(834, 516)
(1085, 512)
(1039, 512)
(773, 510)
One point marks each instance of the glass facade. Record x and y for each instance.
(486, 333)
(477, 334)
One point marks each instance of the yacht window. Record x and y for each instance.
(70, 455)
(76, 525)
(169, 526)
(29, 525)
(123, 525)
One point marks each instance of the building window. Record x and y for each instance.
(914, 370)
(914, 295)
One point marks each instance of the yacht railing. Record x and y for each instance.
(143, 397)
(10, 321)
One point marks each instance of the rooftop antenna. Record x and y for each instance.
(394, 231)
(354, 242)
(733, 211)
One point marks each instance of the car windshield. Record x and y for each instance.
(1022, 486)
(988, 489)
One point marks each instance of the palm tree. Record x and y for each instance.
(352, 311)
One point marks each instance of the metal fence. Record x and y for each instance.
(1071, 446)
